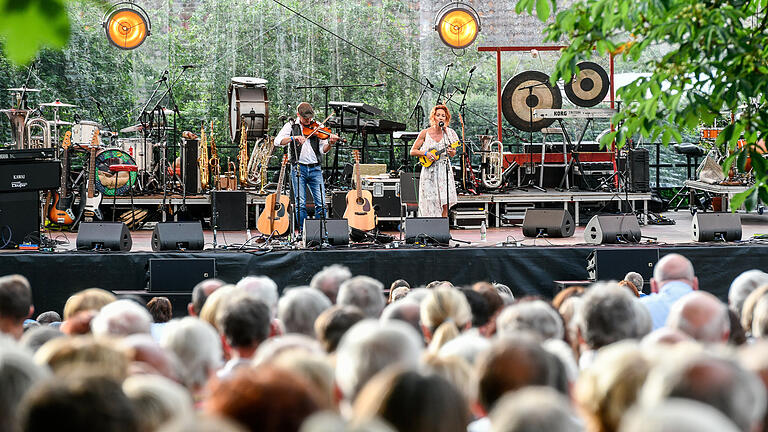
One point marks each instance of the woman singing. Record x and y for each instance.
(436, 194)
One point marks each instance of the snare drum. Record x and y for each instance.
(105, 179)
(248, 100)
(135, 149)
(710, 133)
(82, 132)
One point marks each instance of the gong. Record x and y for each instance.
(589, 87)
(526, 92)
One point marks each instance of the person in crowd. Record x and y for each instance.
(678, 415)
(198, 348)
(364, 292)
(407, 311)
(398, 293)
(306, 156)
(161, 309)
(244, 324)
(444, 314)
(562, 296)
(48, 317)
(15, 304)
(535, 316)
(737, 334)
(673, 277)
(637, 280)
(298, 309)
(121, 318)
(157, 400)
(331, 325)
(701, 316)
(457, 371)
(754, 358)
(748, 308)
(534, 409)
(146, 356)
(88, 300)
(479, 306)
(84, 355)
(412, 402)
(630, 286)
(468, 345)
(400, 283)
(215, 301)
(200, 294)
(261, 288)
(18, 374)
(329, 279)
(743, 285)
(437, 188)
(35, 338)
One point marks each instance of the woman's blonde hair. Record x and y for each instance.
(445, 311)
(432, 121)
(89, 299)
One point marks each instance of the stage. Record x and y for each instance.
(529, 266)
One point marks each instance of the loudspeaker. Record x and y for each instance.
(177, 236)
(179, 274)
(228, 207)
(433, 230)
(550, 222)
(29, 175)
(190, 170)
(716, 226)
(612, 229)
(614, 263)
(19, 218)
(112, 236)
(337, 229)
(639, 170)
(409, 187)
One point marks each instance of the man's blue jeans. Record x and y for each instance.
(312, 177)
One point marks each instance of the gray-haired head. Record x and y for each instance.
(298, 309)
(364, 292)
(121, 318)
(636, 279)
(329, 279)
(742, 286)
(369, 347)
(468, 345)
(606, 315)
(158, 399)
(701, 316)
(676, 415)
(48, 317)
(407, 311)
(534, 409)
(18, 373)
(197, 346)
(261, 288)
(200, 293)
(673, 267)
(535, 316)
(37, 337)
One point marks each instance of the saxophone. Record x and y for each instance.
(214, 162)
(202, 160)
(243, 157)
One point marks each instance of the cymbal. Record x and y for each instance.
(61, 123)
(134, 128)
(59, 104)
(24, 89)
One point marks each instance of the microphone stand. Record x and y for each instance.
(327, 89)
(466, 157)
(442, 85)
(417, 109)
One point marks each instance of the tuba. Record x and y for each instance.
(242, 157)
(38, 133)
(202, 160)
(259, 161)
(491, 166)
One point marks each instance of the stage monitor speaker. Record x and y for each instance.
(229, 209)
(177, 236)
(113, 236)
(427, 230)
(337, 230)
(549, 222)
(606, 264)
(19, 218)
(612, 229)
(191, 171)
(179, 274)
(716, 226)
(639, 170)
(409, 187)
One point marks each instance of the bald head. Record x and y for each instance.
(673, 267)
(701, 316)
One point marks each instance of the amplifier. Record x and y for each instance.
(20, 175)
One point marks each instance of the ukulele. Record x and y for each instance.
(60, 211)
(274, 219)
(93, 199)
(426, 162)
(359, 210)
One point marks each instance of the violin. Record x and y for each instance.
(318, 130)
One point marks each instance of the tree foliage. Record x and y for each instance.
(716, 62)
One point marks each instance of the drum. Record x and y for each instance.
(135, 149)
(710, 133)
(248, 101)
(105, 179)
(82, 132)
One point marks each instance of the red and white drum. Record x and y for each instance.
(135, 148)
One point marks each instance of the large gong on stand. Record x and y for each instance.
(526, 92)
(589, 87)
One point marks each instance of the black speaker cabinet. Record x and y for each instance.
(112, 236)
(29, 175)
(432, 230)
(716, 226)
(639, 170)
(409, 187)
(606, 264)
(179, 274)
(177, 236)
(19, 218)
(228, 208)
(612, 229)
(337, 230)
(338, 204)
(550, 222)
(190, 172)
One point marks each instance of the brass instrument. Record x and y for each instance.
(214, 162)
(242, 175)
(259, 161)
(202, 160)
(41, 140)
(491, 165)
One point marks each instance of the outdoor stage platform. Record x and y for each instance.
(527, 265)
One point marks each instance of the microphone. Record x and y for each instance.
(382, 84)
(162, 77)
(429, 83)
(459, 90)
(94, 100)
(449, 65)
(283, 118)
(189, 66)
(473, 69)
(441, 124)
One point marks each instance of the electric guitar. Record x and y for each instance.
(426, 162)
(275, 219)
(60, 211)
(93, 198)
(359, 210)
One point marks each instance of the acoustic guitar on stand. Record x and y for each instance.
(60, 211)
(359, 212)
(93, 199)
(426, 162)
(275, 218)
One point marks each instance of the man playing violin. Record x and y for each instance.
(306, 152)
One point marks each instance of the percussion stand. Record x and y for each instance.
(145, 120)
(530, 136)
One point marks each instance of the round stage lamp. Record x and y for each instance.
(127, 25)
(457, 24)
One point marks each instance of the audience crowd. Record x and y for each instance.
(346, 354)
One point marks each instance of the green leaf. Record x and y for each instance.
(542, 9)
(29, 25)
(743, 198)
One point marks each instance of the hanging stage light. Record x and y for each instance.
(127, 25)
(458, 24)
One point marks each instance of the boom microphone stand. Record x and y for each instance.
(442, 85)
